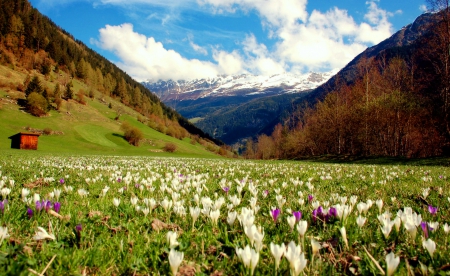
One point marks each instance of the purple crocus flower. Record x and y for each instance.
(79, 228)
(61, 181)
(29, 212)
(39, 205)
(57, 207)
(119, 180)
(226, 189)
(310, 198)
(432, 210)
(297, 215)
(136, 186)
(275, 213)
(2, 205)
(48, 205)
(314, 215)
(424, 226)
(332, 212)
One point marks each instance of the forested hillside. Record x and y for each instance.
(392, 100)
(32, 42)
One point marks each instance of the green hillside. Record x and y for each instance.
(84, 129)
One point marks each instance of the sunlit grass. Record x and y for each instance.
(116, 213)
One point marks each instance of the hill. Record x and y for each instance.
(87, 129)
(51, 80)
(391, 100)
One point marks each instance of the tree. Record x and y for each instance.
(34, 86)
(68, 95)
(440, 56)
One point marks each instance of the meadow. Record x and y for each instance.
(118, 215)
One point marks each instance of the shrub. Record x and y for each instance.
(47, 131)
(132, 134)
(170, 147)
(37, 104)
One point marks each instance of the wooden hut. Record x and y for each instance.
(24, 140)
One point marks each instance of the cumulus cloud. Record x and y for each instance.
(143, 57)
(304, 41)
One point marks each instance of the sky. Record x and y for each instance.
(193, 39)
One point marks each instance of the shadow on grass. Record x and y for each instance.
(380, 160)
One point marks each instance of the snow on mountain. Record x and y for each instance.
(238, 85)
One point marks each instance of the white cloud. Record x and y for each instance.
(197, 48)
(304, 41)
(423, 8)
(145, 58)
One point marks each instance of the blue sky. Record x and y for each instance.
(187, 39)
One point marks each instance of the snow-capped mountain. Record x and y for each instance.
(238, 85)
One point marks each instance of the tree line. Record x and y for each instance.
(397, 105)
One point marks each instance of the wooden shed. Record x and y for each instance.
(25, 140)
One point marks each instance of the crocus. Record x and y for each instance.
(301, 227)
(299, 264)
(226, 189)
(432, 210)
(291, 221)
(361, 221)
(231, 217)
(116, 202)
(79, 228)
(57, 207)
(446, 228)
(175, 259)
(249, 257)
(344, 236)
(277, 252)
(41, 234)
(391, 263)
(61, 181)
(275, 213)
(297, 215)
(424, 227)
(310, 198)
(430, 246)
(172, 239)
(315, 246)
(29, 212)
(3, 234)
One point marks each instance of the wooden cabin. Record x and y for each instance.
(25, 140)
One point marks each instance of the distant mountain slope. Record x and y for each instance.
(238, 85)
(232, 108)
(390, 47)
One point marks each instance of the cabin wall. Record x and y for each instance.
(28, 142)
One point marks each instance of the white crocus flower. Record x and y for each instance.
(391, 263)
(277, 252)
(379, 204)
(116, 202)
(360, 221)
(41, 234)
(214, 215)
(248, 256)
(3, 234)
(175, 259)
(430, 246)
(134, 200)
(299, 264)
(172, 239)
(446, 228)
(344, 235)
(231, 217)
(291, 221)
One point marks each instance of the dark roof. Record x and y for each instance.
(25, 134)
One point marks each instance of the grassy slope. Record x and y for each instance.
(88, 129)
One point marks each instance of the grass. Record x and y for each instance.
(124, 240)
(88, 129)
